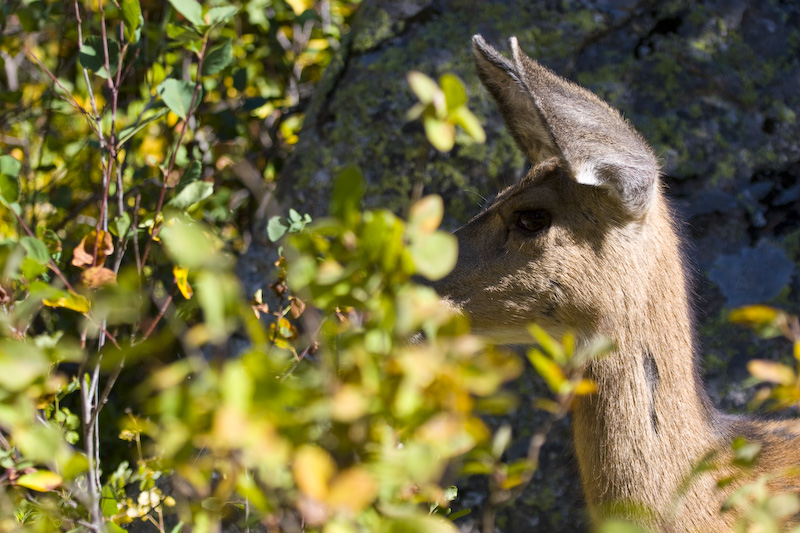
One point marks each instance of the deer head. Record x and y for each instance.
(569, 246)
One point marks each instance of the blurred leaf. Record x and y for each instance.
(191, 10)
(454, 93)
(127, 133)
(469, 122)
(36, 250)
(92, 55)
(426, 214)
(177, 94)
(434, 255)
(108, 503)
(501, 441)
(192, 194)
(347, 192)
(417, 524)
(548, 369)
(69, 300)
(9, 178)
(313, 469)
(218, 58)
(276, 229)
(353, 489)
(771, 371)
(550, 346)
(221, 15)
(121, 224)
(441, 134)
(133, 20)
(423, 86)
(40, 480)
(98, 276)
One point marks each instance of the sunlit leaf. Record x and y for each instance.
(93, 243)
(469, 122)
(195, 192)
(132, 19)
(276, 229)
(771, 371)
(454, 93)
(69, 300)
(548, 369)
(434, 255)
(754, 315)
(92, 55)
(353, 489)
(108, 503)
(313, 469)
(191, 10)
(182, 280)
(40, 480)
(423, 86)
(426, 214)
(440, 133)
(221, 15)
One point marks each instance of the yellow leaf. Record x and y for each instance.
(182, 280)
(771, 371)
(548, 369)
(797, 349)
(69, 300)
(313, 468)
(300, 6)
(98, 276)
(353, 489)
(585, 387)
(348, 404)
(754, 315)
(40, 480)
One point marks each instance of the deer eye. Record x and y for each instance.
(533, 221)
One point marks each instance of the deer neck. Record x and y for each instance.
(639, 436)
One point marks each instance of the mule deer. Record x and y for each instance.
(587, 242)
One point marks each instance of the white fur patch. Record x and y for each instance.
(586, 175)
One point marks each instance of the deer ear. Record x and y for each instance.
(550, 116)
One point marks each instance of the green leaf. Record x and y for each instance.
(426, 214)
(434, 255)
(9, 178)
(191, 10)
(177, 95)
(36, 250)
(469, 122)
(108, 503)
(454, 93)
(133, 20)
(92, 55)
(126, 133)
(220, 15)
(440, 133)
(347, 193)
(218, 58)
(193, 193)
(120, 225)
(276, 229)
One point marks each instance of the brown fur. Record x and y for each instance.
(608, 264)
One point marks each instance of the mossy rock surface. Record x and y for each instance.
(714, 86)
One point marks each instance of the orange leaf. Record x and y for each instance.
(313, 468)
(353, 489)
(83, 254)
(98, 276)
